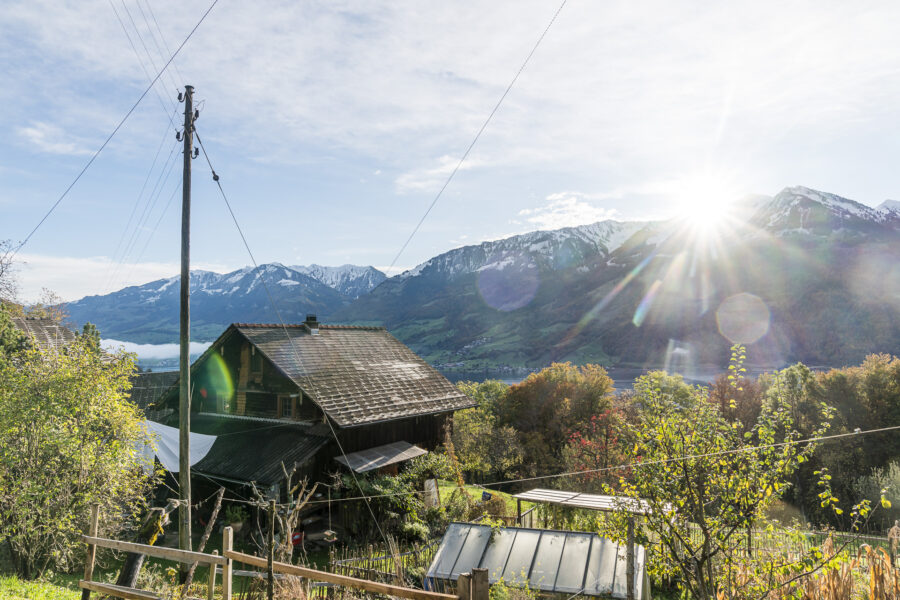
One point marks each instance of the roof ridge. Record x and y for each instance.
(304, 326)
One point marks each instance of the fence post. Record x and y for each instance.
(629, 561)
(211, 588)
(270, 570)
(464, 586)
(92, 549)
(227, 546)
(480, 585)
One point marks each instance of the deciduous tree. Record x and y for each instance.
(705, 479)
(69, 436)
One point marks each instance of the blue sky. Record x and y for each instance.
(333, 124)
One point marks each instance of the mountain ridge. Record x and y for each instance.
(617, 292)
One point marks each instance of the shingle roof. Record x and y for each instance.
(357, 375)
(248, 451)
(147, 388)
(47, 334)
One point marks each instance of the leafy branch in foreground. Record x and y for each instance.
(703, 507)
(69, 436)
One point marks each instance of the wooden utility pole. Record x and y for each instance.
(184, 404)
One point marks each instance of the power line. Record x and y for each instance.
(287, 335)
(114, 131)
(162, 54)
(138, 54)
(137, 202)
(478, 135)
(637, 465)
(163, 38)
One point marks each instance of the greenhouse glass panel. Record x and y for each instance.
(601, 568)
(620, 582)
(449, 550)
(572, 565)
(519, 564)
(497, 552)
(546, 560)
(473, 548)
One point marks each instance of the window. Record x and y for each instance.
(287, 406)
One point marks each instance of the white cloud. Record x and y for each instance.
(612, 83)
(566, 209)
(430, 179)
(153, 351)
(51, 139)
(73, 278)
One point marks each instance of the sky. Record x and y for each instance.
(333, 125)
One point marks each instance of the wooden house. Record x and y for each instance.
(313, 396)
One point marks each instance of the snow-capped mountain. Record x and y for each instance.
(555, 250)
(890, 209)
(822, 265)
(350, 280)
(149, 313)
(805, 211)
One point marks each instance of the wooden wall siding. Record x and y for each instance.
(243, 375)
(260, 403)
(426, 432)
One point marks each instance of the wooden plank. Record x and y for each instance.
(118, 591)
(227, 545)
(92, 550)
(480, 585)
(211, 586)
(184, 556)
(344, 580)
(464, 586)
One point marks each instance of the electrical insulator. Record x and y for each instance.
(180, 97)
(178, 136)
(196, 114)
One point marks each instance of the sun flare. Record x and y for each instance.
(705, 203)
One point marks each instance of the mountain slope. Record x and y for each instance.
(350, 280)
(149, 313)
(804, 275)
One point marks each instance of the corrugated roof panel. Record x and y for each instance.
(587, 501)
(380, 456)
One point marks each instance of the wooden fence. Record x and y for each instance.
(381, 564)
(471, 586)
(88, 585)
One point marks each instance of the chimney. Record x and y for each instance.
(312, 324)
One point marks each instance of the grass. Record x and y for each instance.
(47, 588)
(446, 488)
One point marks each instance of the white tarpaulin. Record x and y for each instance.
(165, 446)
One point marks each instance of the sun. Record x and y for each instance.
(704, 203)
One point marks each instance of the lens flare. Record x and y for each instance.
(644, 307)
(591, 314)
(214, 382)
(509, 283)
(743, 318)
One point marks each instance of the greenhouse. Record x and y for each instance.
(552, 562)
